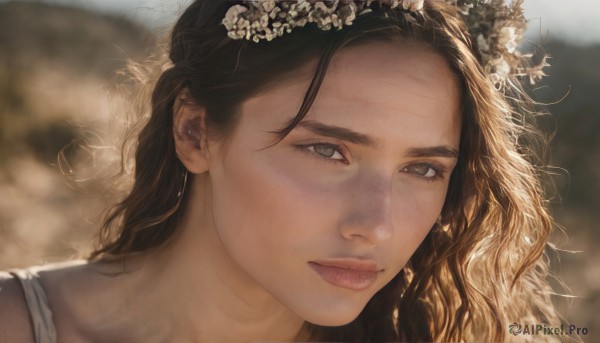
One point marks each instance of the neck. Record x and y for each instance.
(205, 295)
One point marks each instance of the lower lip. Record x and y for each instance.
(345, 278)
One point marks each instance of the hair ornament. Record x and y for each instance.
(267, 19)
(495, 27)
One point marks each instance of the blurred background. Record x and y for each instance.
(58, 71)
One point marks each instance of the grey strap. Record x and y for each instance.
(37, 303)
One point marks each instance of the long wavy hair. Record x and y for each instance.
(482, 269)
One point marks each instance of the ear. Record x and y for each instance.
(189, 130)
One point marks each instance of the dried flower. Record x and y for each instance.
(412, 5)
(508, 38)
(258, 20)
(497, 27)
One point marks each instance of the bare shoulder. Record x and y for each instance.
(79, 296)
(62, 283)
(15, 325)
(15, 319)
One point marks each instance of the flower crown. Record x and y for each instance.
(497, 28)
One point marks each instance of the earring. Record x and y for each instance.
(185, 177)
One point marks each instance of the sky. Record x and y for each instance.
(573, 20)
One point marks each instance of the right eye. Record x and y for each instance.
(326, 152)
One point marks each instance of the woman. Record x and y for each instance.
(318, 171)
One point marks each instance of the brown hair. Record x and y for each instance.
(481, 270)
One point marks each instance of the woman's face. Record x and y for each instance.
(363, 177)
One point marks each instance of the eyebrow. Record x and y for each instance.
(437, 151)
(348, 135)
(339, 133)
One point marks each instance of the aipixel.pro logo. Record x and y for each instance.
(542, 329)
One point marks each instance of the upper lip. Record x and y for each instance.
(350, 263)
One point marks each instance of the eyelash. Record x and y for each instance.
(439, 170)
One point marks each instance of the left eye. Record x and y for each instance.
(328, 151)
(422, 170)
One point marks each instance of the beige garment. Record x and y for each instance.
(37, 303)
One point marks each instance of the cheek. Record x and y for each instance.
(263, 208)
(416, 209)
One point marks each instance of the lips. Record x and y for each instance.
(351, 274)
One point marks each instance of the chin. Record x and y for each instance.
(332, 320)
(333, 316)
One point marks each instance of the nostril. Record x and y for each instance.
(367, 231)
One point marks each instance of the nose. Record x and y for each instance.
(369, 215)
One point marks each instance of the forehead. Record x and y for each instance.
(380, 89)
